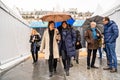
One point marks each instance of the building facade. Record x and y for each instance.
(36, 15)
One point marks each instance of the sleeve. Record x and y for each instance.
(87, 37)
(59, 36)
(38, 38)
(115, 33)
(30, 39)
(42, 43)
(73, 36)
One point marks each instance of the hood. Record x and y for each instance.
(110, 23)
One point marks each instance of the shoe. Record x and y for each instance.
(77, 61)
(67, 73)
(94, 67)
(113, 70)
(51, 74)
(71, 65)
(107, 68)
(88, 67)
(55, 71)
(33, 62)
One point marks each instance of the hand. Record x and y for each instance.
(41, 51)
(57, 37)
(33, 39)
(98, 34)
(77, 43)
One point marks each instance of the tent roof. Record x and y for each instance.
(38, 24)
(78, 23)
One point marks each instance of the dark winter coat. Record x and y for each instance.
(68, 41)
(111, 32)
(78, 40)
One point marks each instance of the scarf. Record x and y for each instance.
(94, 33)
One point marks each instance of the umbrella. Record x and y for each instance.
(56, 17)
(97, 19)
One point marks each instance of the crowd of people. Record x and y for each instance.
(65, 42)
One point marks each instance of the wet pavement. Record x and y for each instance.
(80, 71)
(28, 71)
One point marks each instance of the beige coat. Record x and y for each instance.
(45, 44)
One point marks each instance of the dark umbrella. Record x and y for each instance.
(97, 19)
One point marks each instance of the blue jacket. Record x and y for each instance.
(111, 32)
(68, 41)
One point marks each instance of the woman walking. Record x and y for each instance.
(34, 39)
(67, 45)
(49, 42)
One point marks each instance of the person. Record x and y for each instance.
(111, 34)
(49, 42)
(67, 45)
(34, 39)
(100, 47)
(77, 45)
(92, 35)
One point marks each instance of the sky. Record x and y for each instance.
(81, 5)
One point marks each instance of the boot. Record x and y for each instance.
(113, 70)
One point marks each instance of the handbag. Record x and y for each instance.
(78, 46)
(38, 44)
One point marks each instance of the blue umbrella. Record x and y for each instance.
(69, 21)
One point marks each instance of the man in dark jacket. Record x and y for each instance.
(111, 33)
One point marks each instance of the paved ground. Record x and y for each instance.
(80, 71)
(27, 71)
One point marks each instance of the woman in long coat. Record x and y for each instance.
(49, 43)
(67, 45)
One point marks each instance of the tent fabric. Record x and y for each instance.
(78, 23)
(38, 24)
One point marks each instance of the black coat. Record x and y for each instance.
(37, 39)
(78, 40)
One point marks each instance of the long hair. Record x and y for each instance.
(64, 22)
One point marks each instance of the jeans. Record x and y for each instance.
(35, 56)
(100, 52)
(77, 54)
(110, 47)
